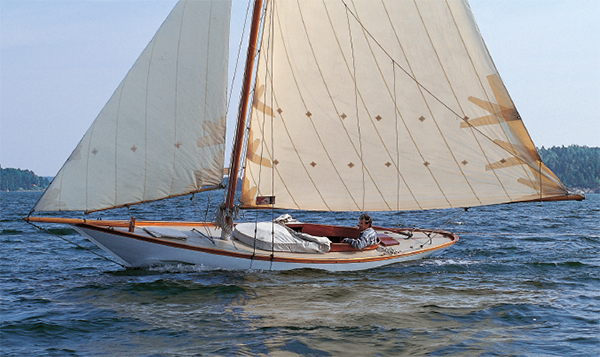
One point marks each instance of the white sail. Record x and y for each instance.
(384, 105)
(162, 133)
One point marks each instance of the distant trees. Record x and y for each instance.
(576, 166)
(19, 180)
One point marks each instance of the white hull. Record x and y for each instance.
(139, 249)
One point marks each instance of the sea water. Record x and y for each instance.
(524, 280)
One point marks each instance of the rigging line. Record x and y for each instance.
(128, 211)
(392, 58)
(243, 105)
(207, 206)
(206, 89)
(247, 175)
(263, 115)
(254, 241)
(441, 229)
(362, 163)
(268, 54)
(540, 172)
(465, 119)
(196, 206)
(243, 150)
(269, 75)
(454, 94)
(302, 98)
(504, 131)
(206, 215)
(397, 140)
(364, 105)
(487, 96)
(420, 151)
(75, 244)
(450, 220)
(239, 52)
(248, 123)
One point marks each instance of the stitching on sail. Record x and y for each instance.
(457, 101)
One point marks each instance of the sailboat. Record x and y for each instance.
(346, 105)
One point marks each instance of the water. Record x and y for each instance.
(524, 280)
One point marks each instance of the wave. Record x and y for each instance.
(11, 232)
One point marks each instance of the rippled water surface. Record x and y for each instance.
(524, 280)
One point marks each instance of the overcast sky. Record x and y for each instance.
(60, 61)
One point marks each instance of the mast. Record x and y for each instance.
(243, 108)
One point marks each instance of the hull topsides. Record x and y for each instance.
(199, 244)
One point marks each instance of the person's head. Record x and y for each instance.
(364, 221)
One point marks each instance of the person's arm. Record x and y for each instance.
(360, 242)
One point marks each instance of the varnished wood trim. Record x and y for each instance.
(113, 223)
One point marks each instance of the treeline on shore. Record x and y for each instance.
(578, 167)
(21, 180)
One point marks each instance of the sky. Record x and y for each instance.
(60, 61)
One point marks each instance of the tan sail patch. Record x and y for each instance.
(216, 133)
(260, 105)
(503, 111)
(253, 146)
(248, 193)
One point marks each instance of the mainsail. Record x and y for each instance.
(162, 133)
(384, 105)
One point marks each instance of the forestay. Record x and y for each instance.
(162, 132)
(384, 105)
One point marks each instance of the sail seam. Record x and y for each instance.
(248, 131)
(87, 167)
(455, 97)
(514, 154)
(176, 97)
(206, 81)
(396, 109)
(355, 82)
(485, 93)
(419, 86)
(283, 121)
(433, 96)
(397, 139)
(248, 174)
(118, 117)
(287, 131)
(268, 74)
(146, 120)
(335, 106)
(261, 126)
(362, 100)
(306, 108)
(338, 116)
